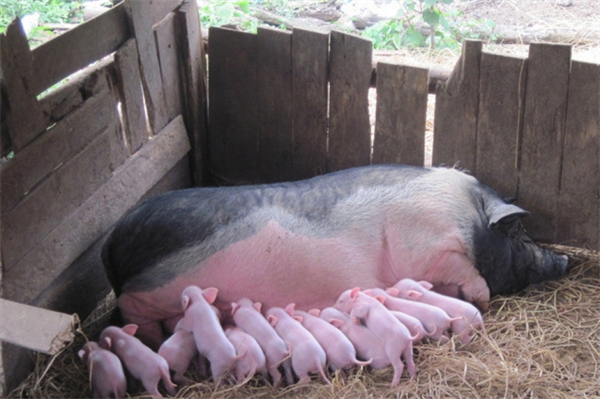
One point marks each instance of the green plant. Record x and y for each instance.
(222, 12)
(51, 11)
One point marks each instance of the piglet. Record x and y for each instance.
(307, 355)
(395, 336)
(341, 354)
(179, 350)
(201, 320)
(251, 360)
(143, 363)
(467, 317)
(367, 345)
(247, 316)
(108, 377)
(435, 320)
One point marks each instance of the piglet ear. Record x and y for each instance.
(185, 302)
(354, 292)
(336, 322)
(81, 354)
(105, 343)
(234, 308)
(299, 318)
(426, 284)
(380, 298)
(210, 294)
(272, 320)
(258, 306)
(290, 309)
(414, 295)
(130, 329)
(369, 292)
(314, 312)
(356, 320)
(393, 291)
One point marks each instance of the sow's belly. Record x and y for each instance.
(275, 267)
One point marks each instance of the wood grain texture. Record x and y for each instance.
(310, 52)
(349, 126)
(543, 136)
(233, 139)
(401, 115)
(168, 57)
(274, 78)
(75, 233)
(501, 104)
(578, 213)
(456, 107)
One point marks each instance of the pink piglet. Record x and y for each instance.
(108, 377)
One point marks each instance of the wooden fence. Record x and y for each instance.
(287, 106)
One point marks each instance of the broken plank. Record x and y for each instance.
(349, 78)
(543, 135)
(456, 107)
(310, 51)
(274, 77)
(103, 208)
(35, 328)
(401, 115)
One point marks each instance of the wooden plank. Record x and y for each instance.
(82, 228)
(141, 20)
(79, 47)
(349, 126)
(168, 57)
(132, 97)
(25, 118)
(274, 78)
(193, 63)
(58, 196)
(401, 115)
(501, 103)
(456, 107)
(578, 221)
(52, 331)
(543, 136)
(310, 52)
(233, 139)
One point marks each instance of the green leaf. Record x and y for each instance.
(431, 17)
(415, 38)
(244, 5)
(430, 3)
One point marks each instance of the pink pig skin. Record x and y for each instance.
(247, 316)
(395, 336)
(108, 377)
(201, 320)
(469, 317)
(340, 352)
(252, 359)
(307, 355)
(143, 363)
(179, 350)
(367, 345)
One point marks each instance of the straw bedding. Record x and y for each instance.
(542, 343)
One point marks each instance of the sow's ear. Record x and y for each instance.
(506, 214)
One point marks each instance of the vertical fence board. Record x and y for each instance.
(501, 104)
(349, 126)
(25, 119)
(274, 77)
(309, 63)
(401, 115)
(579, 202)
(193, 62)
(132, 98)
(456, 105)
(141, 20)
(233, 136)
(543, 133)
(168, 57)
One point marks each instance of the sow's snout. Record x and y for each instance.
(510, 260)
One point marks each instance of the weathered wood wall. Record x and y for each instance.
(85, 153)
(298, 107)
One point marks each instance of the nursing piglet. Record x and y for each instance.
(108, 377)
(435, 320)
(367, 345)
(395, 336)
(142, 362)
(468, 316)
(179, 350)
(200, 319)
(307, 354)
(251, 357)
(247, 316)
(341, 354)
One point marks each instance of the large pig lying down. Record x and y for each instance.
(307, 241)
